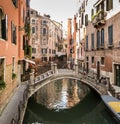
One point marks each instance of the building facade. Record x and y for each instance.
(46, 36)
(11, 47)
(102, 43)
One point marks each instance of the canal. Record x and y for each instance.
(66, 101)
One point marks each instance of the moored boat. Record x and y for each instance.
(113, 105)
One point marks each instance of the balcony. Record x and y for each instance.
(98, 19)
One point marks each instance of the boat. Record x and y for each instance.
(113, 104)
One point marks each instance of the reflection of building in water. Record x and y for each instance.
(48, 94)
(61, 94)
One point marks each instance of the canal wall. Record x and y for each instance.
(15, 110)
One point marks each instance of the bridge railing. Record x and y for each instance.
(43, 76)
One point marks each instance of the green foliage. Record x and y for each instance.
(96, 14)
(2, 84)
(30, 50)
(27, 29)
(14, 75)
(60, 47)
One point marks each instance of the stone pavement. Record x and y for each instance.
(12, 112)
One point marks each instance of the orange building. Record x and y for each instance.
(12, 20)
(70, 40)
(74, 38)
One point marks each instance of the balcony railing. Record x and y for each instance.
(99, 18)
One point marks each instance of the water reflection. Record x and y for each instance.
(66, 102)
(62, 94)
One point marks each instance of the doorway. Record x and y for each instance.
(117, 75)
(98, 70)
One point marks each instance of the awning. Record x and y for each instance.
(60, 53)
(29, 61)
(97, 3)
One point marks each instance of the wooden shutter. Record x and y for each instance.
(13, 33)
(92, 39)
(102, 37)
(5, 28)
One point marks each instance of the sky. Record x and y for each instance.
(59, 10)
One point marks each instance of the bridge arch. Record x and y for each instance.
(58, 76)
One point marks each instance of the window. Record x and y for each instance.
(2, 69)
(98, 39)
(110, 35)
(44, 42)
(92, 39)
(44, 50)
(15, 2)
(33, 50)
(102, 38)
(92, 59)
(92, 12)
(87, 58)
(82, 21)
(109, 4)
(44, 31)
(13, 33)
(33, 21)
(3, 25)
(33, 40)
(13, 68)
(13, 64)
(86, 42)
(71, 41)
(71, 50)
(33, 30)
(86, 20)
(44, 22)
(102, 60)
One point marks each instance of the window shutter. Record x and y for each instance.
(13, 33)
(92, 39)
(5, 28)
(111, 34)
(15, 2)
(102, 37)
(98, 39)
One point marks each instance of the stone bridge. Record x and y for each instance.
(56, 74)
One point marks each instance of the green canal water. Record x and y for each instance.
(67, 102)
